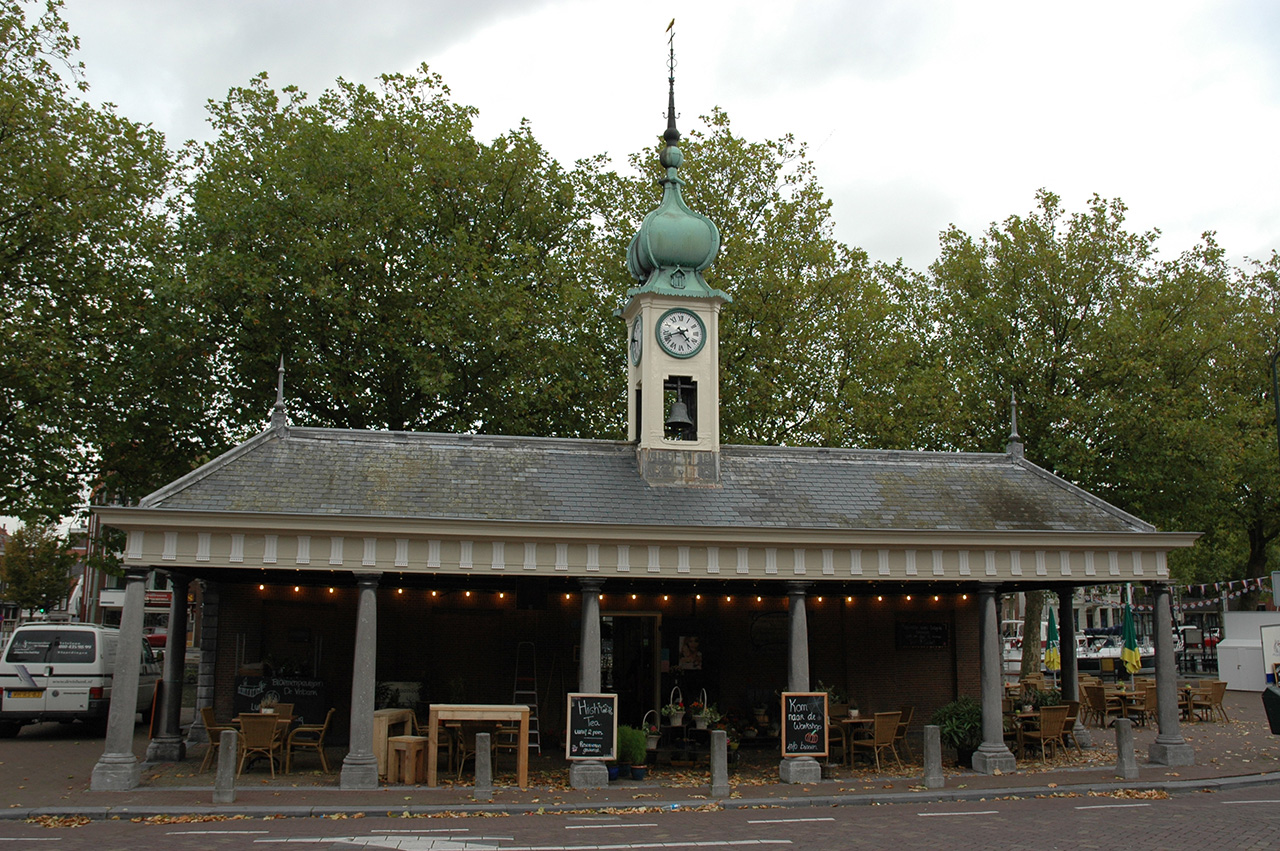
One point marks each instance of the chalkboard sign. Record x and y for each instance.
(307, 696)
(804, 723)
(593, 727)
(916, 634)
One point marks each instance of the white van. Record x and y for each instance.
(53, 671)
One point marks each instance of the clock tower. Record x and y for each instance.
(672, 320)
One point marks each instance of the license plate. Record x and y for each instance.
(28, 693)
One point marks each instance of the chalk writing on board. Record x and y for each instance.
(804, 723)
(592, 727)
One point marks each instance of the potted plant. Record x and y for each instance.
(960, 726)
(652, 733)
(674, 713)
(704, 714)
(631, 750)
(838, 703)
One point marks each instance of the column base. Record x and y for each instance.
(116, 773)
(589, 774)
(990, 759)
(800, 769)
(359, 772)
(1171, 753)
(196, 733)
(166, 749)
(1082, 735)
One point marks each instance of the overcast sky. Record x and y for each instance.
(918, 114)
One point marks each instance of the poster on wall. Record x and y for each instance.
(1270, 651)
(690, 653)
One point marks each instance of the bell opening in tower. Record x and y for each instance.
(680, 401)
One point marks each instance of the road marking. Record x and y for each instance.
(970, 813)
(786, 820)
(30, 838)
(427, 843)
(607, 826)
(213, 832)
(1111, 806)
(1250, 802)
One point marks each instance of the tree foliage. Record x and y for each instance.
(36, 568)
(412, 276)
(83, 238)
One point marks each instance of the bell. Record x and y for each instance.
(678, 421)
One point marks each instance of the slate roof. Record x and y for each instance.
(308, 471)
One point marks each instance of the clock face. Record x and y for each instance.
(681, 333)
(637, 342)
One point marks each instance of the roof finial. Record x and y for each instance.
(279, 417)
(672, 135)
(1014, 446)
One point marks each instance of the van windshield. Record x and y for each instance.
(52, 645)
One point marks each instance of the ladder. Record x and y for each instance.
(525, 691)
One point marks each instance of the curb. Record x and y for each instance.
(101, 813)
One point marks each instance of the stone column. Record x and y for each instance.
(360, 766)
(168, 746)
(1169, 748)
(993, 755)
(208, 643)
(589, 773)
(118, 769)
(1070, 667)
(798, 769)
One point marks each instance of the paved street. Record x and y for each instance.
(1236, 819)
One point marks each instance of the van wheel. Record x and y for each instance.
(9, 729)
(96, 727)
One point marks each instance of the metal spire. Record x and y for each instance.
(279, 417)
(672, 135)
(1014, 446)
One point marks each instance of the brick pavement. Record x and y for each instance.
(46, 770)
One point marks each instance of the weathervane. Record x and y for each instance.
(672, 136)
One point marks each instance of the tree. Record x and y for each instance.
(83, 246)
(412, 277)
(36, 568)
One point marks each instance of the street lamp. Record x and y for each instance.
(1275, 394)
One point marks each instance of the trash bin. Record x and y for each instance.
(1271, 703)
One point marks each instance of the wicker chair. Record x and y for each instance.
(882, 737)
(215, 735)
(308, 737)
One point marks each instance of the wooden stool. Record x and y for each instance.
(413, 749)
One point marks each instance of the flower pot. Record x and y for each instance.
(677, 719)
(639, 772)
(651, 743)
(613, 772)
(699, 722)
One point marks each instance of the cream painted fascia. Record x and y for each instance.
(162, 538)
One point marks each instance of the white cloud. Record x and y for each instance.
(918, 113)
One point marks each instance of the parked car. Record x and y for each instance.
(53, 671)
(156, 636)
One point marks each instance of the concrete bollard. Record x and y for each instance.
(484, 769)
(719, 764)
(933, 778)
(1126, 762)
(224, 782)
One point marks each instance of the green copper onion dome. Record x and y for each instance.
(674, 244)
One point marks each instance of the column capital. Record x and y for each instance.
(135, 574)
(798, 588)
(367, 579)
(590, 583)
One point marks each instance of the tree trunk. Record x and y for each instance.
(1032, 652)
